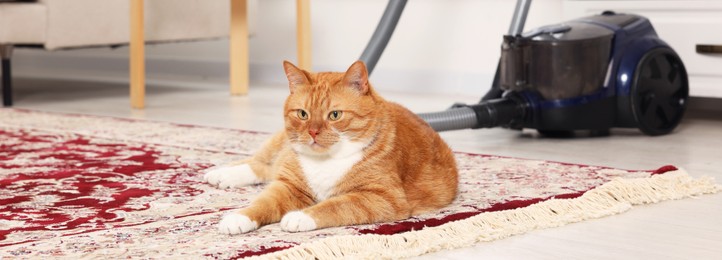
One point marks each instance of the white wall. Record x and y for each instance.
(447, 46)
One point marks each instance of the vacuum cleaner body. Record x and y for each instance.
(593, 73)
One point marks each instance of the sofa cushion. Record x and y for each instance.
(79, 23)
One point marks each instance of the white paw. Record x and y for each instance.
(236, 223)
(297, 221)
(231, 177)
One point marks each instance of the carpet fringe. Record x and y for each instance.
(614, 197)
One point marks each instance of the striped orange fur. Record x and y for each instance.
(349, 158)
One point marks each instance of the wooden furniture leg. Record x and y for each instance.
(303, 33)
(239, 48)
(137, 55)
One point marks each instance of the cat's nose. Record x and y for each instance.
(313, 133)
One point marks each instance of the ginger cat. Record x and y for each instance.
(345, 157)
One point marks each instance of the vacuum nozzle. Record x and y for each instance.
(508, 111)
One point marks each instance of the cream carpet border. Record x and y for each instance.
(614, 197)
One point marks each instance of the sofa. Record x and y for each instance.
(66, 24)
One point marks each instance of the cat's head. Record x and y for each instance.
(330, 112)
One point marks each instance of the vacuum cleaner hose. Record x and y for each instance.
(508, 111)
(451, 119)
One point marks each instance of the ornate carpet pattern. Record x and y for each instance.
(75, 186)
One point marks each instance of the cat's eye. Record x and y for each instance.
(335, 115)
(302, 114)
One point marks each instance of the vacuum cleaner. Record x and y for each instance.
(592, 74)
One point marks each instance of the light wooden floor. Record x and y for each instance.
(686, 229)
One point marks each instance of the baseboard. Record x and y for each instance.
(114, 69)
(214, 73)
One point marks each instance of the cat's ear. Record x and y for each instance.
(296, 77)
(357, 77)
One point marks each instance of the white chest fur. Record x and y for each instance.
(324, 173)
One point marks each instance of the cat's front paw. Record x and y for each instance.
(236, 223)
(297, 221)
(231, 177)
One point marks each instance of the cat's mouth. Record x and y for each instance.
(316, 145)
(313, 148)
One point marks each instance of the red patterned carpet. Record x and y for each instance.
(97, 187)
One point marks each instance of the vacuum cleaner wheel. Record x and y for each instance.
(659, 92)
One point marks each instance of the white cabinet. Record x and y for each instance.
(683, 25)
